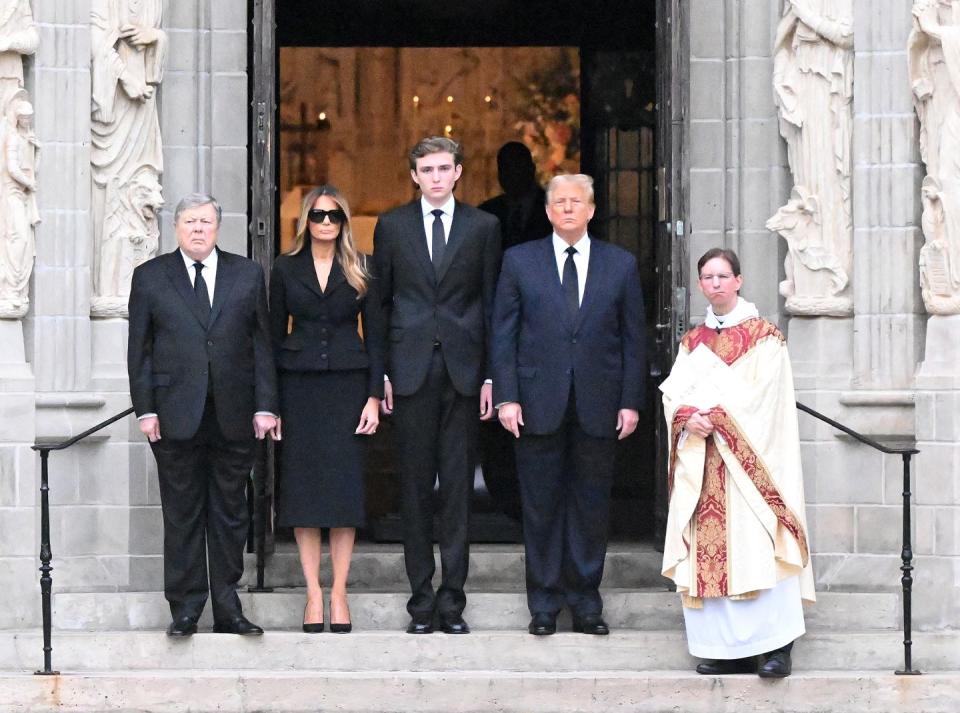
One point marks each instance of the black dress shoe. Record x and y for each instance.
(182, 626)
(420, 624)
(543, 624)
(315, 628)
(723, 667)
(237, 625)
(776, 664)
(453, 624)
(590, 624)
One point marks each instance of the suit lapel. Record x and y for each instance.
(226, 280)
(177, 273)
(458, 229)
(591, 287)
(305, 272)
(418, 237)
(552, 277)
(336, 278)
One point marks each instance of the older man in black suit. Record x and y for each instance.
(204, 388)
(436, 259)
(568, 366)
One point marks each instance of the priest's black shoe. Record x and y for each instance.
(543, 624)
(590, 624)
(420, 624)
(723, 667)
(182, 626)
(453, 624)
(237, 625)
(776, 664)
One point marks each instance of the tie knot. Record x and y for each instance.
(437, 212)
(198, 266)
(571, 251)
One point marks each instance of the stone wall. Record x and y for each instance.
(105, 524)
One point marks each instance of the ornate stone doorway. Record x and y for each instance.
(616, 62)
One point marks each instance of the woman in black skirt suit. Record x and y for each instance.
(331, 383)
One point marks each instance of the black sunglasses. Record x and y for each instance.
(317, 215)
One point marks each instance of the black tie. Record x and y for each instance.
(438, 243)
(571, 288)
(200, 290)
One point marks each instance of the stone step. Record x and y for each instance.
(283, 609)
(396, 651)
(492, 567)
(479, 692)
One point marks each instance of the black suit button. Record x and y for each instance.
(323, 356)
(323, 342)
(573, 341)
(209, 342)
(569, 371)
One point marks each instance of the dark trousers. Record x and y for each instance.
(565, 482)
(203, 484)
(436, 431)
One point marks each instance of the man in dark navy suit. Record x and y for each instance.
(568, 379)
(204, 388)
(436, 261)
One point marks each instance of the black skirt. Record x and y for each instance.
(322, 461)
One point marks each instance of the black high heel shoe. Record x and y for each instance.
(340, 628)
(315, 628)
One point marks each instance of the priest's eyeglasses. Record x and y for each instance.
(317, 215)
(723, 277)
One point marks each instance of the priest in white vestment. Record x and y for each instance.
(736, 542)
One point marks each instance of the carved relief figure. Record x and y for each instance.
(18, 37)
(813, 83)
(934, 59)
(128, 52)
(20, 215)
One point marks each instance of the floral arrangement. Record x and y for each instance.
(549, 111)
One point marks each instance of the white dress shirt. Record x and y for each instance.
(428, 218)
(209, 271)
(581, 259)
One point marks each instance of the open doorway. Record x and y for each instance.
(341, 93)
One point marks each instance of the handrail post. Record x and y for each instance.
(907, 579)
(46, 555)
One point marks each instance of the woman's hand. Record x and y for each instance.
(369, 417)
(699, 424)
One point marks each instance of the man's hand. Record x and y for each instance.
(276, 433)
(699, 424)
(511, 417)
(627, 420)
(486, 402)
(150, 427)
(264, 424)
(386, 405)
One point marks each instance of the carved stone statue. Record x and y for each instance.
(18, 37)
(20, 215)
(128, 52)
(813, 83)
(934, 59)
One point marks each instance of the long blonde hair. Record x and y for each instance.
(348, 256)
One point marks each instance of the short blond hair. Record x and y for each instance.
(580, 179)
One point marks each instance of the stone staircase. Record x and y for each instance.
(111, 645)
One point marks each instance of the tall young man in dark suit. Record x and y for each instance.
(436, 260)
(203, 386)
(568, 375)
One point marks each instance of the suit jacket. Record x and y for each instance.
(453, 307)
(538, 351)
(174, 353)
(324, 334)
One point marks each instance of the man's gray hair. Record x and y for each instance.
(580, 179)
(195, 200)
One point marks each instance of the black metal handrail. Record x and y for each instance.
(906, 553)
(46, 555)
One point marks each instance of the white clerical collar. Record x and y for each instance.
(447, 208)
(741, 313)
